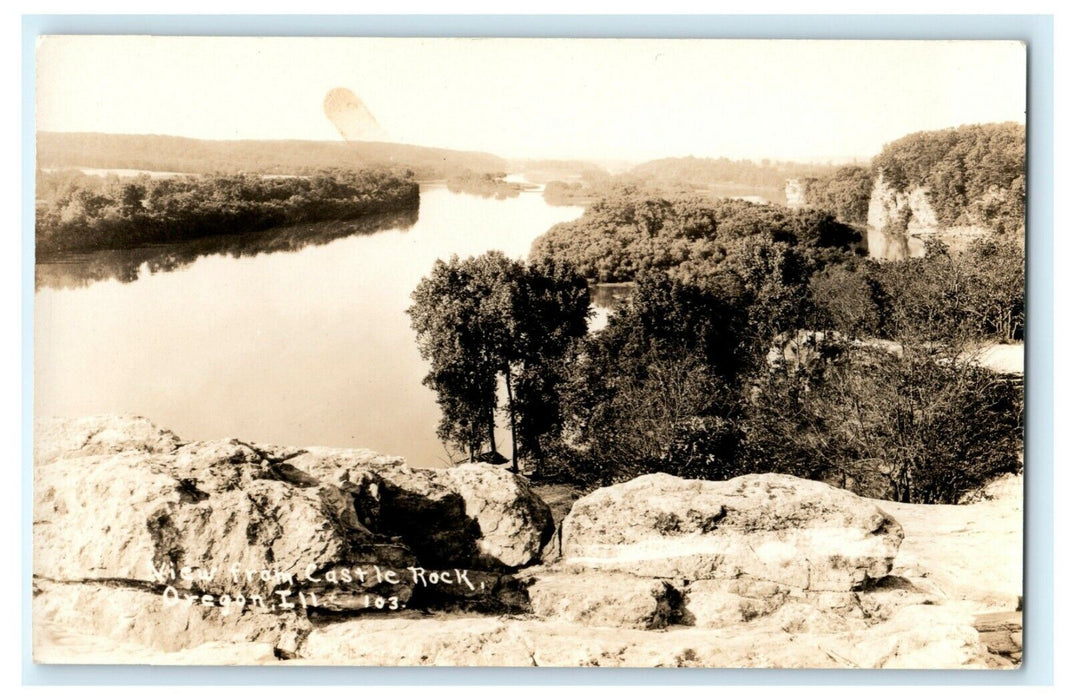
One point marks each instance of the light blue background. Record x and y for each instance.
(1036, 30)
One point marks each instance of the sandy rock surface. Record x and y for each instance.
(119, 500)
(767, 526)
(471, 515)
(760, 571)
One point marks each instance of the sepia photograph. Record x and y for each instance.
(517, 352)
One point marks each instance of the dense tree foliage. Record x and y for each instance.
(974, 175)
(80, 213)
(844, 193)
(781, 268)
(676, 383)
(484, 185)
(620, 237)
(488, 317)
(459, 314)
(917, 427)
(974, 295)
(648, 392)
(889, 403)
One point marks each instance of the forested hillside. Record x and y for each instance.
(974, 175)
(705, 171)
(619, 237)
(175, 154)
(845, 193)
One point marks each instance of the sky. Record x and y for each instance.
(604, 99)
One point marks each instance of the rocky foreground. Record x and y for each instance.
(148, 549)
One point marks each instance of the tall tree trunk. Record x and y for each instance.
(906, 489)
(492, 431)
(511, 414)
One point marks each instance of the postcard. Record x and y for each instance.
(529, 352)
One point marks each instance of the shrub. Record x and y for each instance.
(939, 425)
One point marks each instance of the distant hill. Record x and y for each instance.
(177, 154)
(703, 172)
(713, 178)
(548, 170)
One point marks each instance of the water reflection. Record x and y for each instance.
(609, 295)
(893, 247)
(82, 269)
(293, 337)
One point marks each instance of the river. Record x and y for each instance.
(294, 336)
(892, 247)
(283, 337)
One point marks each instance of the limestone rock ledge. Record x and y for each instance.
(125, 627)
(124, 509)
(771, 527)
(140, 538)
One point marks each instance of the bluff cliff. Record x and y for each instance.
(894, 211)
(959, 180)
(964, 181)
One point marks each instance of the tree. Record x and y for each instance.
(848, 299)
(489, 317)
(551, 308)
(916, 428)
(457, 316)
(667, 417)
(650, 392)
(994, 295)
(844, 193)
(948, 297)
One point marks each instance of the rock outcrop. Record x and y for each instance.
(890, 209)
(900, 223)
(600, 598)
(99, 435)
(771, 527)
(795, 193)
(472, 515)
(773, 548)
(920, 637)
(151, 550)
(1002, 634)
(120, 502)
(76, 613)
(222, 518)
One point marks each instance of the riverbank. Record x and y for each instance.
(87, 213)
